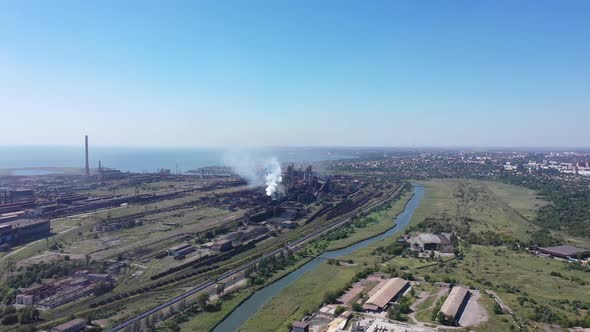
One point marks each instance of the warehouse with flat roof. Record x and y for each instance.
(74, 325)
(389, 291)
(24, 230)
(565, 251)
(179, 250)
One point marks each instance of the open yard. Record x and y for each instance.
(300, 298)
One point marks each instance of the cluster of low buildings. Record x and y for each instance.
(382, 292)
(376, 294)
(418, 163)
(223, 243)
(61, 291)
(577, 167)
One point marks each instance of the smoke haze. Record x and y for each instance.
(257, 170)
(273, 177)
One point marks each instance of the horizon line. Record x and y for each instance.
(254, 147)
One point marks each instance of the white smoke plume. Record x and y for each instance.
(273, 177)
(257, 170)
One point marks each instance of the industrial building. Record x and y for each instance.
(222, 245)
(298, 326)
(387, 292)
(455, 303)
(180, 250)
(245, 234)
(16, 196)
(565, 252)
(436, 242)
(61, 291)
(74, 325)
(289, 224)
(23, 230)
(100, 277)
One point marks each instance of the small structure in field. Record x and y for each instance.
(565, 252)
(453, 307)
(435, 242)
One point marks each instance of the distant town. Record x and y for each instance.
(441, 235)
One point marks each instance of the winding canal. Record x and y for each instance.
(249, 307)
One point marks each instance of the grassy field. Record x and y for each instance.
(511, 274)
(473, 202)
(304, 296)
(206, 321)
(144, 188)
(523, 200)
(385, 221)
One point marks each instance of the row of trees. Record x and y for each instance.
(26, 315)
(176, 315)
(35, 273)
(570, 202)
(258, 273)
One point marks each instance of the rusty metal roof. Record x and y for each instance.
(386, 293)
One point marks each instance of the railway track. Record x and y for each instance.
(290, 246)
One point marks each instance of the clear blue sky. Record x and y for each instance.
(347, 73)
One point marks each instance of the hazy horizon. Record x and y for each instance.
(270, 147)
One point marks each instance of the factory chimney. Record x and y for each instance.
(87, 166)
(100, 171)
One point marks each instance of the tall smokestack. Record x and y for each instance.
(87, 166)
(100, 171)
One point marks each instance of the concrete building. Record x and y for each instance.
(222, 245)
(388, 292)
(300, 327)
(25, 299)
(6, 234)
(565, 252)
(180, 250)
(22, 195)
(427, 241)
(289, 224)
(10, 216)
(74, 325)
(99, 277)
(24, 230)
(455, 303)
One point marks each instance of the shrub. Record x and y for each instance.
(339, 310)
(9, 319)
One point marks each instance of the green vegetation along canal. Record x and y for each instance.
(247, 309)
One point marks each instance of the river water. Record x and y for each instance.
(249, 307)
